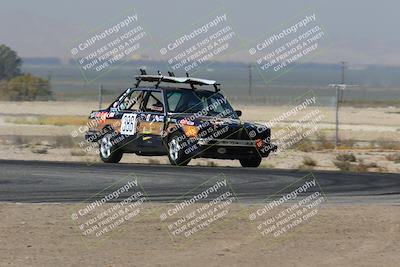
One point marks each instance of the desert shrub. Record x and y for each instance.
(360, 167)
(363, 167)
(348, 143)
(305, 145)
(78, 153)
(346, 157)
(17, 140)
(307, 161)
(354, 167)
(211, 163)
(153, 161)
(394, 157)
(342, 165)
(323, 141)
(39, 150)
(64, 141)
(372, 165)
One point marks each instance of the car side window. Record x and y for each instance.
(133, 101)
(215, 105)
(173, 100)
(154, 102)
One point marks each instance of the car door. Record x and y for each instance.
(151, 121)
(128, 111)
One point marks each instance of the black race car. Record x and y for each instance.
(182, 123)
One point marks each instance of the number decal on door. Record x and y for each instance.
(128, 124)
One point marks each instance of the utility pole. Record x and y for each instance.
(338, 88)
(339, 93)
(343, 69)
(250, 81)
(344, 65)
(49, 82)
(337, 117)
(100, 95)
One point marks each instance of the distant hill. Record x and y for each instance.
(41, 61)
(376, 83)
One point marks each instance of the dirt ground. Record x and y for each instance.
(377, 125)
(355, 235)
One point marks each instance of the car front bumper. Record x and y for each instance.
(234, 149)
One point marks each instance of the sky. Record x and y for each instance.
(360, 31)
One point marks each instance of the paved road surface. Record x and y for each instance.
(38, 181)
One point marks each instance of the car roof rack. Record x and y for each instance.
(144, 77)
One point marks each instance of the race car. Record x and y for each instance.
(182, 122)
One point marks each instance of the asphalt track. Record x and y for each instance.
(39, 181)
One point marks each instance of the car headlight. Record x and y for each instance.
(190, 131)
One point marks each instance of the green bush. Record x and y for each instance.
(26, 87)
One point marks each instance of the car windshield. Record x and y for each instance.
(193, 101)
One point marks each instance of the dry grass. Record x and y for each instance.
(153, 161)
(49, 120)
(78, 152)
(387, 145)
(306, 145)
(321, 142)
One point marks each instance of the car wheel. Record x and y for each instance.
(176, 152)
(253, 161)
(109, 153)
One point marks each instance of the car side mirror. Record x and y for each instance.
(238, 113)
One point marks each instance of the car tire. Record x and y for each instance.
(253, 161)
(109, 153)
(176, 154)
